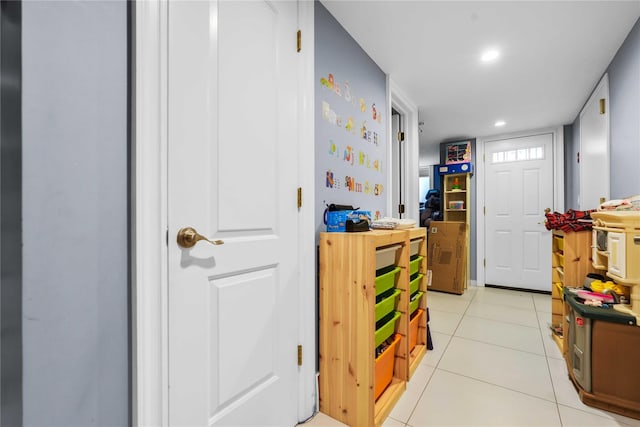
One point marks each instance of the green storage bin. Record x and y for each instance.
(387, 329)
(386, 281)
(387, 304)
(415, 303)
(415, 284)
(414, 265)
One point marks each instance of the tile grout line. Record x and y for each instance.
(553, 388)
(438, 363)
(498, 385)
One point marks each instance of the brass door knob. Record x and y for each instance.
(188, 237)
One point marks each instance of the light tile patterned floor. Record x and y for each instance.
(493, 364)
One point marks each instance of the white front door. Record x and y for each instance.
(518, 188)
(232, 175)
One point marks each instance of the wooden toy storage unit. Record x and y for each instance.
(570, 264)
(348, 265)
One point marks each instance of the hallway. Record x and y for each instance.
(494, 363)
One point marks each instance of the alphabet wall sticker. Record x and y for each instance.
(350, 133)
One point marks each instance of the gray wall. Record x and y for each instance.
(337, 53)
(75, 254)
(624, 94)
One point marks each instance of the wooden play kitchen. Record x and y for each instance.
(373, 326)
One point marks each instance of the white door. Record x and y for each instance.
(232, 175)
(518, 188)
(594, 148)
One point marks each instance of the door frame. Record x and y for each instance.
(149, 305)
(411, 174)
(558, 184)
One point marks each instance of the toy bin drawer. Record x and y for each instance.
(386, 327)
(386, 256)
(414, 323)
(559, 243)
(415, 301)
(387, 303)
(386, 281)
(414, 265)
(558, 259)
(414, 285)
(384, 367)
(414, 247)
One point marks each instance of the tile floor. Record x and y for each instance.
(494, 363)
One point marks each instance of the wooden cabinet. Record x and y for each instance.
(570, 264)
(456, 202)
(348, 267)
(457, 207)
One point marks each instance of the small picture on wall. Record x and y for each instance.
(458, 152)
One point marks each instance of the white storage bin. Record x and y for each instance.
(386, 256)
(413, 247)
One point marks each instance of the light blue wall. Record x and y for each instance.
(624, 92)
(624, 95)
(75, 247)
(337, 53)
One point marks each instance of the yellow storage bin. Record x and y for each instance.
(559, 241)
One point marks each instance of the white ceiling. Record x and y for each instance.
(552, 55)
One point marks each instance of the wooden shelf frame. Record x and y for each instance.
(571, 261)
(347, 324)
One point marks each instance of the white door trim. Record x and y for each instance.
(149, 247)
(558, 184)
(307, 389)
(399, 102)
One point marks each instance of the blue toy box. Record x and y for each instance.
(337, 220)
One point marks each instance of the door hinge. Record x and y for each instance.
(299, 197)
(484, 262)
(602, 106)
(299, 40)
(400, 136)
(483, 158)
(299, 355)
(167, 235)
(484, 210)
(401, 208)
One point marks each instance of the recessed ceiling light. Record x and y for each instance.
(490, 55)
(500, 123)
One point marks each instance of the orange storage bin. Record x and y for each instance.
(384, 367)
(413, 329)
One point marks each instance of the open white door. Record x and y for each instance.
(232, 175)
(518, 188)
